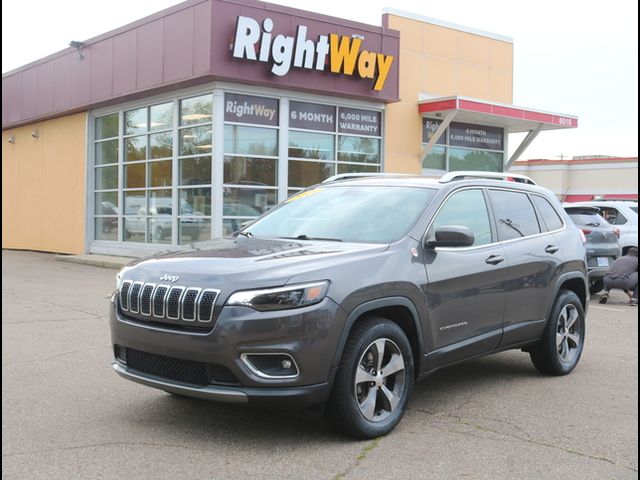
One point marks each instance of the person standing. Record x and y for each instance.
(623, 274)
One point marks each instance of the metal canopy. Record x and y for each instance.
(482, 112)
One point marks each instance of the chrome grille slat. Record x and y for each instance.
(206, 303)
(124, 294)
(173, 303)
(159, 300)
(134, 297)
(168, 303)
(189, 300)
(146, 294)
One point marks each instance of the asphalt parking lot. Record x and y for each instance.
(66, 414)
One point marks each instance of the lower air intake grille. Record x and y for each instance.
(183, 371)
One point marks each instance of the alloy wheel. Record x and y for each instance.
(379, 380)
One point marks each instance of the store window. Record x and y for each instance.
(250, 158)
(154, 164)
(463, 146)
(325, 140)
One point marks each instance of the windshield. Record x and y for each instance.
(588, 220)
(348, 214)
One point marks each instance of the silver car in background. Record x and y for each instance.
(602, 242)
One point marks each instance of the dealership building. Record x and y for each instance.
(185, 124)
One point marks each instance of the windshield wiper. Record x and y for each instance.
(509, 223)
(245, 234)
(307, 237)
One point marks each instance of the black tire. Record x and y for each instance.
(560, 348)
(596, 286)
(344, 410)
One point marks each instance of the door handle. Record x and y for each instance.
(494, 259)
(552, 249)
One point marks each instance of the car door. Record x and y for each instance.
(535, 261)
(465, 286)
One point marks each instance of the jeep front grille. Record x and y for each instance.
(167, 303)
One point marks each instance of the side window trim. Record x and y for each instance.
(493, 223)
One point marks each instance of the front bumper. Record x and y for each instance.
(309, 335)
(282, 397)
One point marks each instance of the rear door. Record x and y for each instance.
(535, 261)
(465, 288)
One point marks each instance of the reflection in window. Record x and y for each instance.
(196, 110)
(135, 175)
(435, 160)
(195, 171)
(250, 140)
(161, 145)
(161, 116)
(467, 208)
(160, 174)
(106, 178)
(135, 121)
(358, 149)
(250, 171)
(195, 140)
(464, 159)
(311, 145)
(304, 174)
(256, 200)
(107, 126)
(135, 148)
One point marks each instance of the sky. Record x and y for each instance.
(570, 56)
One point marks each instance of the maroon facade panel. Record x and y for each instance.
(189, 43)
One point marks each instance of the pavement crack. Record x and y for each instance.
(105, 444)
(359, 458)
(528, 439)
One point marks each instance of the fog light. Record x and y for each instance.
(271, 365)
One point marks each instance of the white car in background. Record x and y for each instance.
(623, 214)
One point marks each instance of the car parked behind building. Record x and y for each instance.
(348, 292)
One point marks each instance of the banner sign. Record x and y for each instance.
(475, 136)
(359, 122)
(339, 54)
(312, 116)
(250, 109)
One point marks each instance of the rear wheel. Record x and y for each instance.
(559, 350)
(374, 380)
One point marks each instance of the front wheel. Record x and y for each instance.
(374, 380)
(559, 350)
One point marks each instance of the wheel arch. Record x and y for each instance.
(574, 282)
(399, 310)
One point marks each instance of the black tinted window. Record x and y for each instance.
(583, 219)
(515, 215)
(466, 208)
(549, 215)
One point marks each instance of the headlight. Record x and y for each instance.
(293, 296)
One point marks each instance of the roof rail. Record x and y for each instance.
(509, 177)
(347, 176)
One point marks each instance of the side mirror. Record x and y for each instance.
(452, 236)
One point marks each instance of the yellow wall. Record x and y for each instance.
(43, 186)
(440, 61)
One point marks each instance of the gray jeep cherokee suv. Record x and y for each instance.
(348, 292)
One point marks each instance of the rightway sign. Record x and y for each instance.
(340, 54)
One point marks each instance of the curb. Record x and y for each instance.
(104, 261)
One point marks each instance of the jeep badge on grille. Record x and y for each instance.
(169, 278)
